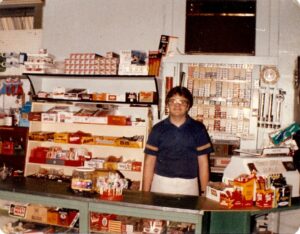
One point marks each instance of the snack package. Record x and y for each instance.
(283, 134)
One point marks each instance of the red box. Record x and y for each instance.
(37, 160)
(73, 217)
(39, 153)
(8, 147)
(75, 138)
(63, 217)
(116, 120)
(35, 116)
(136, 166)
(104, 221)
(264, 198)
(99, 221)
(74, 163)
(232, 199)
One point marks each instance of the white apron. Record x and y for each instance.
(161, 184)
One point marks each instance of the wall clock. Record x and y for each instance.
(269, 75)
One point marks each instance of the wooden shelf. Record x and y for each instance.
(19, 3)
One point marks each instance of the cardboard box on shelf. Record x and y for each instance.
(41, 136)
(134, 142)
(37, 213)
(52, 216)
(35, 116)
(61, 137)
(104, 140)
(146, 96)
(117, 120)
(49, 117)
(215, 189)
(76, 137)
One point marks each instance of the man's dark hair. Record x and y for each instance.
(181, 91)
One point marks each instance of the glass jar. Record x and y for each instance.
(83, 179)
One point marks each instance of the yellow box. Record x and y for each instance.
(132, 142)
(104, 140)
(89, 140)
(247, 188)
(61, 137)
(52, 217)
(111, 165)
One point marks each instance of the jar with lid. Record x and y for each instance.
(83, 179)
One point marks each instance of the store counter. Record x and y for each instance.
(189, 209)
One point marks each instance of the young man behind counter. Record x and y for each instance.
(176, 153)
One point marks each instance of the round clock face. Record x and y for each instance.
(270, 75)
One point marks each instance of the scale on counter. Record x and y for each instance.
(264, 166)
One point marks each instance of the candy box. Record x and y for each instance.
(146, 96)
(264, 198)
(38, 154)
(65, 117)
(41, 136)
(245, 183)
(104, 140)
(61, 137)
(49, 117)
(89, 140)
(154, 226)
(215, 189)
(133, 142)
(110, 165)
(37, 213)
(76, 137)
(124, 166)
(99, 96)
(17, 210)
(99, 221)
(35, 116)
(52, 216)
(232, 199)
(136, 166)
(117, 120)
(74, 94)
(282, 196)
(114, 226)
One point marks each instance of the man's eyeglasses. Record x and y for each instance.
(173, 101)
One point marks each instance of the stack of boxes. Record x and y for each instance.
(91, 63)
(39, 63)
(251, 190)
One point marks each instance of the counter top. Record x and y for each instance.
(137, 199)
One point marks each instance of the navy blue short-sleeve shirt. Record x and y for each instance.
(177, 148)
